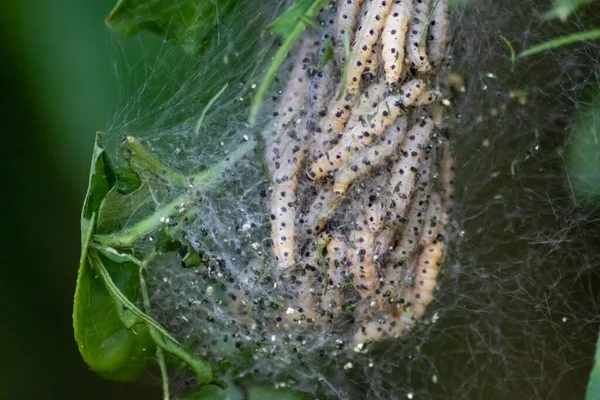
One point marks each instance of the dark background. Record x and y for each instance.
(58, 88)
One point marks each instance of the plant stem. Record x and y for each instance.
(280, 56)
(562, 41)
(129, 236)
(160, 357)
(210, 103)
(202, 182)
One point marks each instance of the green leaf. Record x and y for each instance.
(593, 389)
(290, 25)
(457, 4)
(159, 335)
(189, 23)
(584, 150)
(211, 392)
(203, 181)
(127, 180)
(561, 42)
(102, 179)
(263, 392)
(147, 166)
(562, 9)
(511, 49)
(119, 209)
(286, 22)
(105, 343)
(250, 391)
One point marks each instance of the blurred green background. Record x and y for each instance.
(59, 87)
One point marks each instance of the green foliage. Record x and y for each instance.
(211, 392)
(561, 42)
(457, 4)
(584, 149)
(189, 23)
(131, 316)
(143, 162)
(263, 392)
(562, 9)
(115, 337)
(244, 390)
(583, 175)
(105, 343)
(102, 178)
(593, 389)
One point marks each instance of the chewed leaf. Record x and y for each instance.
(203, 181)
(189, 23)
(563, 8)
(159, 335)
(102, 179)
(243, 390)
(584, 151)
(262, 392)
(211, 392)
(593, 389)
(147, 166)
(105, 343)
(121, 209)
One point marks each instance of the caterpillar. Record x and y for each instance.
(370, 157)
(372, 64)
(337, 115)
(294, 95)
(284, 155)
(283, 211)
(435, 220)
(363, 122)
(383, 243)
(416, 216)
(411, 304)
(320, 92)
(393, 39)
(425, 278)
(362, 266)
(427, 97)
(416, 47)
(358, 137)
(366, 36)
(302, 307)
(374, 213)
(337, 257)
(345, 21)
(438, 32)
(404, 170)
(314, 221)
(447, 176)
(366, 104)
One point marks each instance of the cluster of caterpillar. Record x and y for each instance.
(361, 177)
